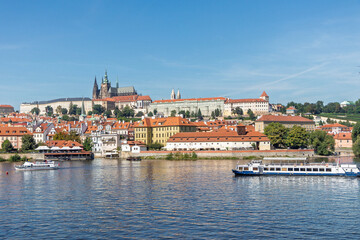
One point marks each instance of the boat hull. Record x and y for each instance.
(251, 173)
(35, 168)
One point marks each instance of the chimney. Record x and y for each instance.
(241, 129)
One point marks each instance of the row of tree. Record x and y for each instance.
(297, 137)
(319, 107)
(28, 143)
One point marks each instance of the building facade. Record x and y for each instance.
(258, 106)
(287, 121)
(159, 130)
(5, 109)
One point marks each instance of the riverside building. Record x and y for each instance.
(287, 121)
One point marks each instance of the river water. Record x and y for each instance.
(157, 199)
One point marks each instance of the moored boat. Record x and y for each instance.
(43, 165)
(257, 168)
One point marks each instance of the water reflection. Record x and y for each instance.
(110, 199)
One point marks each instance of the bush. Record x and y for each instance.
(15, 158)
(169, 156)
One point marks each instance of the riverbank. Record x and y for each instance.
(217, 155)
(8, 156)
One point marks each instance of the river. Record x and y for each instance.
(155, 199)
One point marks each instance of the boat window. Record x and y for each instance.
(255, 169)
(246, 168)
(328, 169)
(290, 169)
(308, 169)
(321, 170)
(315, 169)
(277, 169)
(266, 169)
(272, 169)
(284, 169)
(302, 169)
(296, 169)
(240, 168)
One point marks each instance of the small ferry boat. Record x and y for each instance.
(43, 165)
(257, 168)
(134, 159)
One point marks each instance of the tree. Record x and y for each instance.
(199, 115)
(322, 143)
(187, 114)
(35, 111)
(64, 111)
(98, 109)
(213, 115)
(277, 134)
(65, 118)
(155, 146)
(58, 109)
(28, 142)
(72, 136)
(251, 115)
(117, 112)
(297, 137)
(155, 111)
(88, 144)
(355, 132)
(49, 110)
(78, 111)
(238, 111)
(139, 114)
(173, 113)
(108, 113)
(7, 146)
(89, 113)
(150, 114)
(128, 112)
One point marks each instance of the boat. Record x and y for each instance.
(257, 168)
(133, 158)
(38, 165)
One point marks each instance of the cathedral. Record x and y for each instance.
(107, 91)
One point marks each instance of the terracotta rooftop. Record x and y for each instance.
(274, 118)
(13, 131)
(264, 94)
(190, 99)
(343, 136)
(247, 100)
(163, 122)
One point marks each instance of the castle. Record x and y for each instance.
(106, 91)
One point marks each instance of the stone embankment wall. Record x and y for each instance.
(226, 154)
(28, 155)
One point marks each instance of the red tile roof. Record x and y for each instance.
(190, 99)
(6, 106)
(274, 118)
(264, 94)
(144, 98)
(163, 122)
(343, 136)
(62, 143)
(13, 131)
(247, 100)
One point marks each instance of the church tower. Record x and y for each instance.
(173, 96)
(178, 96)
(264, 96)
(95, 90)
(105, 87)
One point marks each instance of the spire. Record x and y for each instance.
(117, 82)
(83, 108)
(106, 77)
(173, 95)
(95, 90)
(178, 95)
(95, 83)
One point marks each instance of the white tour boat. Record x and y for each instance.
(257, 168)
(43, 165)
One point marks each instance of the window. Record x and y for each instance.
(328, 169)
(284, 169)
(296, 169)
(266, 169)
(315, 169)
(255, 169)
(272, 169)
(302, 169)
(321, 170)
(290, 169)
(309, 169)
(277, 169)
(246, 168)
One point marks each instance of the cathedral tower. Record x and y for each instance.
(178, 95)
(95, 90)
(173, 96)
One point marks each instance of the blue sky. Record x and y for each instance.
(294, 50)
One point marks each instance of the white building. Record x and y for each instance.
(256, 105)
(133, 146)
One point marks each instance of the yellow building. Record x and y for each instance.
(159, 130)
(287, 121)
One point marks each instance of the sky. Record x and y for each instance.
(300, 51)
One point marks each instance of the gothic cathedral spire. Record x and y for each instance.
(178, 95)
(95, 90)
(173, 96)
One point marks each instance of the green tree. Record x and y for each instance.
(35, 111)
(355, 132)
(72, 109)
(58, 109)
(155, 111)
(199, 115)
(277, 134)
(78, 111)
(150, 114)
(173, 113)
(72, 136)
(117, 112)
(238, 111)
(49, 110)
(88, 144)
(89, 113)
(128, 112)
(64, 111)
(15, 158)
(7, 146)
(65, 118)
(187, 114)
(155, 146)
(108, 113)
(139, 114)
(28, 142)
(322, 143)
(98, 109)
(251, 115)
(297, 137)
(213, 115)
